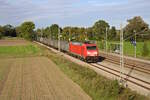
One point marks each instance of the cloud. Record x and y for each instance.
(71, 12)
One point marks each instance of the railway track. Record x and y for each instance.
(134, 66)
(137, 68)
(126, 77)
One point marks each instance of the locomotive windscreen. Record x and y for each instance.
(91, 47)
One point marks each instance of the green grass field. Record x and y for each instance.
(19, 51)
(128, 48)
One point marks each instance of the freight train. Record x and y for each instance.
(85, 51)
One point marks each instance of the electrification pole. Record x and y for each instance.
(121, 55)
(106, 41)
(135, 46)
(69, 35)
(58, 39)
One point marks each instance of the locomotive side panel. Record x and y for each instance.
(75, 48)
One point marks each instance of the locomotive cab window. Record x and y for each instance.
(91, 47)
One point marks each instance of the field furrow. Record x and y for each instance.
(38, 78)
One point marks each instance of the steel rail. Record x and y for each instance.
(148, 83)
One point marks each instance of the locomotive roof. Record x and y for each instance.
(77, 43)
(87, 44)
(91, 44)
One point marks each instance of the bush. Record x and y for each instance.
(145, 49)
(0, 35)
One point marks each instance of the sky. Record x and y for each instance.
(82, 13)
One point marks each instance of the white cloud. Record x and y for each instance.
(72, 12)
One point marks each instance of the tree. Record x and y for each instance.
(82, 34)
(137, 25)
(90, 33)
(0, 35)
(1, 31)
(54, 31)
(39, 32)
(26, 29)
(145, 50)
(75, 33)
(18, 31)
(9, 30)
(46, 32)
(112, 33)
(99, 29)
(145, 36)
(66, 33)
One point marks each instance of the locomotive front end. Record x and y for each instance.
(92, 53)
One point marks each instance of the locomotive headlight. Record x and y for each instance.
(92, 53)
(95, 53)
(88, 53)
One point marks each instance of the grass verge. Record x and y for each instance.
(19, 51)
(95, 85)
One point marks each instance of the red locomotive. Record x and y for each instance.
(87, 51)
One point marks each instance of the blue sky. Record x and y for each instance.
(72, 12)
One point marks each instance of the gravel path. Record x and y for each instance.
(38, 78)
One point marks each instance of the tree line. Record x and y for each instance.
(96, 32)
(25, 30)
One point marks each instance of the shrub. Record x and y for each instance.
(0, 35)
(145, 49)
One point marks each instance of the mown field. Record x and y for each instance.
(128, 48)
(18, 48)
(19, 51)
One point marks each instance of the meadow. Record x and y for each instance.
(19, 51)
(128, 48)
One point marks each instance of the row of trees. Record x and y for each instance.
(25, 30)
(79, 33)
(96, 32)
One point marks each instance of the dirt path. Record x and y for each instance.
(38, 78)
(13, 42)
